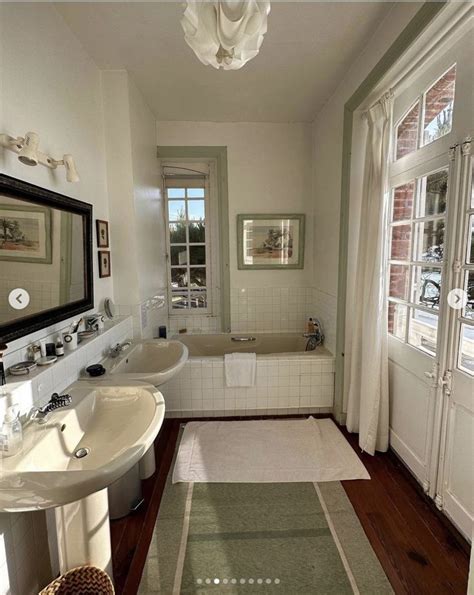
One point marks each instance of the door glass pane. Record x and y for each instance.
(176, 192)
(179, 278)
(470, 241)
(423, 330)
(197, 232)
(176, 210)
(198, 277)
(179, 255)
(407, 132)
(197, 255)
(179, 301)
(398, 282)
(466, 349)
(177, 233)
(196, 210)
(438, 107)
(397, 320)
(195, 192)
(433, 194)
(426, 286)
(430, 241)
(403, 198)
(469, 289)
(401, 242)
(198, 299)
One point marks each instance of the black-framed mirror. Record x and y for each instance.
(46, 272)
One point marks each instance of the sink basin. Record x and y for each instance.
(154, 361)
(115, 424)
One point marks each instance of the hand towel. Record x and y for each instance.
(240, 369)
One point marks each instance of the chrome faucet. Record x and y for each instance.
(316, 338)
(40, 414)
(116, 350)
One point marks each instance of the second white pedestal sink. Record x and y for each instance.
(154, 361)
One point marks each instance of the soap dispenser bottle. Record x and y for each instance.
(11, 435)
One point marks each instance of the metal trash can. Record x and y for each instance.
(125, 494)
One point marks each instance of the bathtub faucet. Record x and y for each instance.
(316, 338)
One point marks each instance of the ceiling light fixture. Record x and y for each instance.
(27, 149)
(227, 33)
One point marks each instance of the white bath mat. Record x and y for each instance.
(306, 450)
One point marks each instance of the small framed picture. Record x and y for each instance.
(104, 263)
(102, 228)
(270, 241)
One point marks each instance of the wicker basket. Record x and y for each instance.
(84, 580)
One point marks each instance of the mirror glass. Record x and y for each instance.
(42, 258)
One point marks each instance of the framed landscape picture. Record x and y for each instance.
(25, 233)
(270, 241)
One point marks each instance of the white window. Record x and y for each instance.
(192, 270)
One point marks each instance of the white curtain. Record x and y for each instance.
(367, 406)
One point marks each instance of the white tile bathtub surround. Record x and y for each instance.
(284, 385)
(37, 387)
(271, 309)
(325, 307)
(194, 324)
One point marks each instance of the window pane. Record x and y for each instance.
(176, 210)
(179, 255)
(407, 132)
(177, 233)
(198, 277)
(196, 210)
(398, 284)
(430, 241)
(176, 192)
(401, 242)
(438, 107)
(197, 255)
(397, 320)
(179, 278)
(195, 192)
(470, 241)
(427, 286)
(466, 349)
(433, 194)
(179, 301)
(469, 289)
(423, 330)
(197, 232)
(198, 300)
(403, 197)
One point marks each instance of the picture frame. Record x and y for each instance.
(102, 230)
(105, 265)
(25, 233)
(270, 241)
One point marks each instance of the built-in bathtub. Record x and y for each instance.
(289, 379)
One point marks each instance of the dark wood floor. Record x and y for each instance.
(418, 549)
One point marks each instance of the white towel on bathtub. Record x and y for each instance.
(240, 369)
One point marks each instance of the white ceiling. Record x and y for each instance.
(307, 50)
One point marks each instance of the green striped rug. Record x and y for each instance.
(284, 538)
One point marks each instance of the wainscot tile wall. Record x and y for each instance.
(25, 565)
(284, 386)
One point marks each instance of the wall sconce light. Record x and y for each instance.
(28, 153)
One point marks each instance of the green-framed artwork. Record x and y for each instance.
(270, 241)
(25, 233)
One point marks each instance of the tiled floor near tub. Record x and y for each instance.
(284, 385)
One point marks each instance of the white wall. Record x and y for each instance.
(269, 169)
(136, 206)
(327, 163)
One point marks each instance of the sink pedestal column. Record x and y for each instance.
(83, 533)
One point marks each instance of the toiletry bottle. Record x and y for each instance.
(3, 380)
(11, 435)
(59, 348)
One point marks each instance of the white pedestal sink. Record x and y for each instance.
(114, 425)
